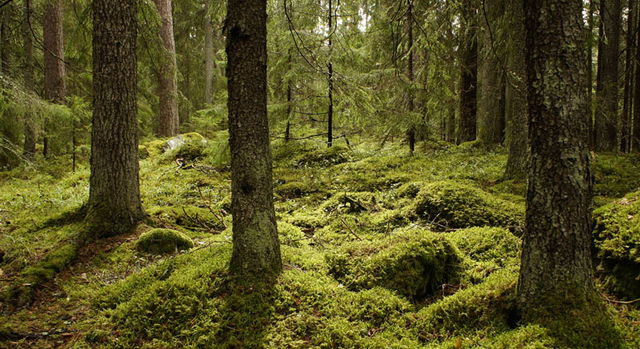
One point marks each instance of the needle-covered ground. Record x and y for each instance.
(380, 249)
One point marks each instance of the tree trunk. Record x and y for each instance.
(590, 41)
(468, 73)
(556, 277)
(168, 120)
(114, 198)
(208, 56)
(411, 132)
(490, 77)
(516, 95)
(330, 79)
(53, 51)
(606, 118)
(256, 250)
(29, 124)
(636, 93)
(5, 34)
(625, 124)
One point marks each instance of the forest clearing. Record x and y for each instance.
(319, 174)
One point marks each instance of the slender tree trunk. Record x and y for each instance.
(29, 124)
(287, 131)
(590, 41)
(469, 73)
(636, 92)
(208, 56)
(114, 205)
(5, 34)
(330, 78)
(556, 277)
(516, 95)
(625, 122)
(411, 132)
(53, 51)
(168, 121)
(256, 250)
(490, 76)
(607, 99)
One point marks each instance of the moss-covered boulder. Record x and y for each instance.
(323, 157)
(413, 263)
(617, 243)
(448, 204)
(162, 241)
(488, 244)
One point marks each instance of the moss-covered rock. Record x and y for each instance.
(161, 241)
(192, 217)
(413, 263)
(617, 243)
(487, 244)
(448, 204)
(323, 157)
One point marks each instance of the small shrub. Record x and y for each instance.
(161, 241)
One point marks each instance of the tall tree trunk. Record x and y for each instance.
(468, 73)
(114, 205)
(490, 76)
(208, 56)
(516, 95)
(636, 93)
(53, 51)
(330, 78)
(606, 118)
(625, 122)
(5, 35)
(29, 124)
(590, 42)
(556, 277)
(411, 132)
(287, 130)
(256, 250)
(168, 121)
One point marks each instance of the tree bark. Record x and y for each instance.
(208, 56)
(411, 132)
(168, 121)
(516, 95)
(636, 93)
(330, 79)
(491, 115)
(468, 73)
(606, 118)
(625, 122)
(5, 34)
(29, 126)
(114, 205)
(556, 272)
(256, 250)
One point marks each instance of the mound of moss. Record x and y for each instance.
(350, 202)
(617, 242)
(191, 217)
(161, 241)
(413, 263)
(323, 157)
(488, 244)
(448, 204)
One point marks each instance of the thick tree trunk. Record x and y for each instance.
(256, 250)
(606, 118)
(29, 125)
(468, 73)
(625, 124)
(556, 274)
(491, 82)
(208, 56)
(168, 121)
(114, 198)
(590, 41)
(516, 95)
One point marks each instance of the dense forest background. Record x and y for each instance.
(320, 173)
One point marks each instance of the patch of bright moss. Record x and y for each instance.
(323, 157)
(413, 263)
(161, 241)
(449, 204)
(488, 244)
(191, 217)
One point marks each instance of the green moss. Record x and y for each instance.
(297, 189)
(323, 157)
(413, 263)
(191, 217)
(449, 204)
(617, 242)
(488, 305)
(289, 234)
(161, 241)
(616, 175)
(350, 203)
(485, 244)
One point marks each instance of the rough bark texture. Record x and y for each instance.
(469, 73)
(556, 263)
(29, 126)
(168, 120)
(491, 82)
(330, 79)
(606, 118)
(625, 124)
(635, 144)
(5, 34)
(256, 250)
(411, 132)
(208, 56)
(114, 199)
(54, 86)
(516, 95)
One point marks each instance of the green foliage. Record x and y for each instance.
(616, 176)
(453, 205)
(617, 240)
(323, 157)
(413, 263)
(485, 244)
(161, 241)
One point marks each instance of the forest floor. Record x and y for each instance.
(380, 250)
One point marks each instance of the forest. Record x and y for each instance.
(320, 174)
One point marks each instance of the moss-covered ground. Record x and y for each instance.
(380, 249)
